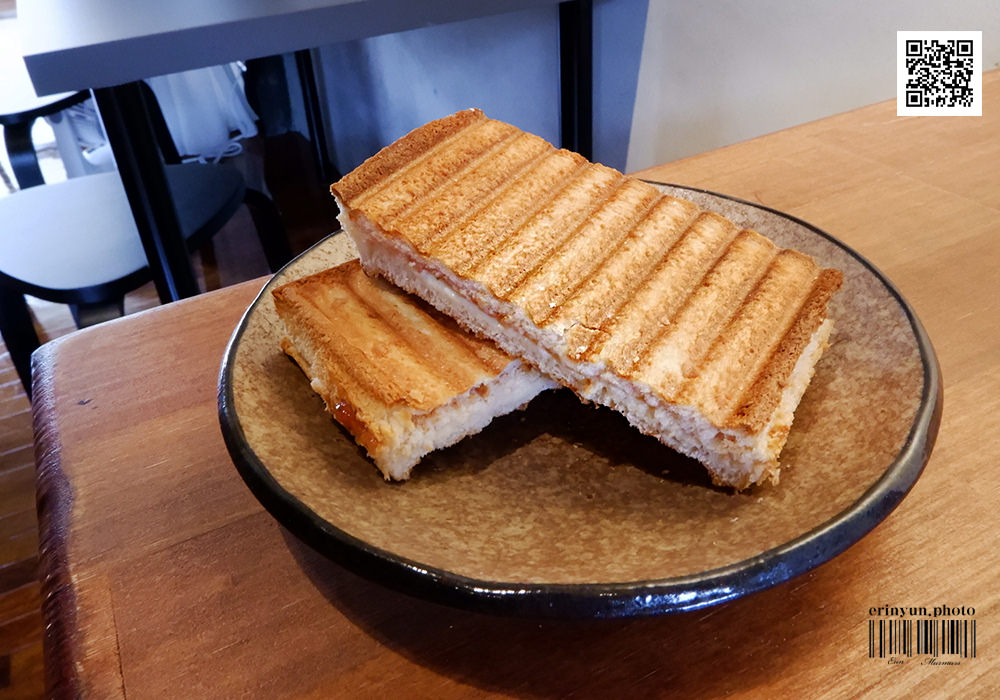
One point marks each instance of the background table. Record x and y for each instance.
(164, 577)
(108, 45)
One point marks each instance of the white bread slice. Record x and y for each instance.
(700, 334)
(403, 379)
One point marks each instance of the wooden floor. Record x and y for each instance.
(308, 214)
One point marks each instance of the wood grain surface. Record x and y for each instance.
(163, 577)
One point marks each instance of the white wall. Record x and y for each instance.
(720, 71)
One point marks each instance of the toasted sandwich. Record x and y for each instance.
(401, 378)
(700, 333)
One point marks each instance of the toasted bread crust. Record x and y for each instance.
(383, 361)
(393, 348)
(396, 155)
(754, 408)
(616, 281)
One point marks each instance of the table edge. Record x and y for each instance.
(53, 500)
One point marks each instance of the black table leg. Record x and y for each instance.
(130, 133)
(314, 115)
(576, 57)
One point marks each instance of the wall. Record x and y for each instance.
(678, 78)
(720, 71)
(377, 89)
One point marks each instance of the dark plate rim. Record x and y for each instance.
(619, 599)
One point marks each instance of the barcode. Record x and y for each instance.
(939, 73)
(909, 637)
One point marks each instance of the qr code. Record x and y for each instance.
(939, 73)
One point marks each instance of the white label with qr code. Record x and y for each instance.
(939, 74)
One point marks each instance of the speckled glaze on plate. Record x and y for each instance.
(564, 510)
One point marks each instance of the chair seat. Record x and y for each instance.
(76, 242)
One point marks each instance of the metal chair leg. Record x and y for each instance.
(85, 315)
(270, 229)
(18, 331)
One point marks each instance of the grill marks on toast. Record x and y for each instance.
(760, 400)
(675, 355)
(584, 249)
(761, 322)
(660, 295)
(392, 158)
(586, 313)
(405, 188)
(532, 246)
(642, 283)
(424, 358)
(478, 234)
(485, 173)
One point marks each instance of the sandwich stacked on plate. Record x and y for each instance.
(700, 333)
(403, 379)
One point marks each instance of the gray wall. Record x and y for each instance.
(377, 89)
(672, 77)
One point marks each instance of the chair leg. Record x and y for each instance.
(18, 333)
(270, 229)
(23, 159)
(91, 314)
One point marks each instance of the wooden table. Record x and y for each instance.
(163, 577)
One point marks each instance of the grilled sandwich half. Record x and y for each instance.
(402, 378)
(700, 333)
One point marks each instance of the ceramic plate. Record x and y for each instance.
(563, 509)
